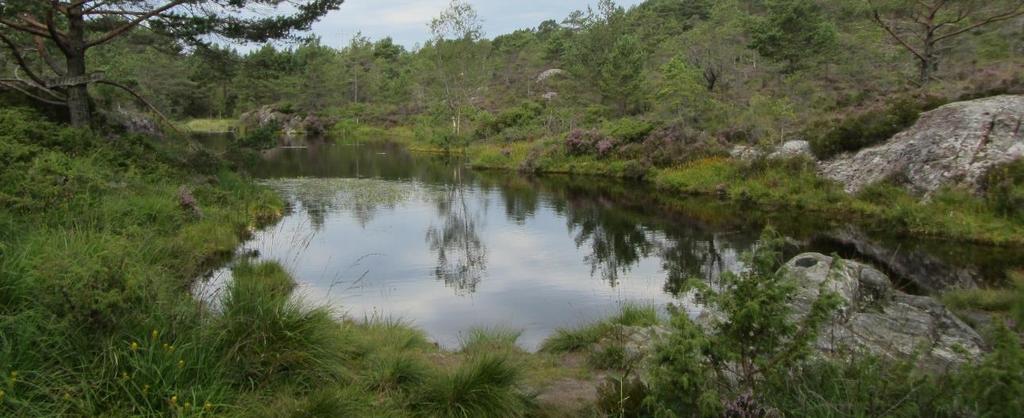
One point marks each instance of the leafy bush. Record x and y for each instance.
(628, 130)
(869, 128)
(524, 114)
(1004, 189)
(673, 145)
(261, 137)
(993, 388)
(756, 338)
(516, 134)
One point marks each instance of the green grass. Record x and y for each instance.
(952, 214)
(991, 300)
(490, 340)
(484, 386)
(211, 125)
(581, 338)
(997, 300)
(96, 318)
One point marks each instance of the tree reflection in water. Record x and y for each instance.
(616, 241)
(461, 254)
(363, 198)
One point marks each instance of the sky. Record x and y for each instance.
(406, 20)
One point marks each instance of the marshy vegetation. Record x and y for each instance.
(105, 228)
(97, 317)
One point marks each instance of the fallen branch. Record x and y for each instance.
(144, 101)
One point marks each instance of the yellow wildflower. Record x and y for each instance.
(207, 406)
(124, 375)
(134, 346)
(155, 334)
(145, 389)
(167, 347)
(174, 400)
(188, 405)
(2, 394)
(181, 364)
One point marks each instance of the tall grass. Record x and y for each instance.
(490, 339)
(97, 257)
(576, 339)
(484, 386)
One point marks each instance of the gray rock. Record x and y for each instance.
(546, 74)
(954, 145)
(745, 153)
(789, 149)
(793, 149)
(135, 121)
(879, 319)
(295, 128)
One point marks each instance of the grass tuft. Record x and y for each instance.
(576, 339)
(485, 386)
(490, 339)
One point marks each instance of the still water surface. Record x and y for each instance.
(377, 231)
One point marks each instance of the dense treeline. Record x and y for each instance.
(740, 70)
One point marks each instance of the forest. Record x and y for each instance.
(752, 115)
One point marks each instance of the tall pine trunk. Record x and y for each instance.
(78, 94)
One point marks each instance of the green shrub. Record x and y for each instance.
(993, 388)
(622, 396)
(756, 333)
(517, 117)
(78, 276)
(867, 129)
(628, 130)
(260, 137)
(1004, 190)
(862, 385)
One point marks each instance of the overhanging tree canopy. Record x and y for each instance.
(33, 30)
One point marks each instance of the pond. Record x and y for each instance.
(376, 231)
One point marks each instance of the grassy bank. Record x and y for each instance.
(756, 358)
(101, 239)
(762, 185)
(210, 125)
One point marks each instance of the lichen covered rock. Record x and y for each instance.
(954, 145)
(879, 319)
